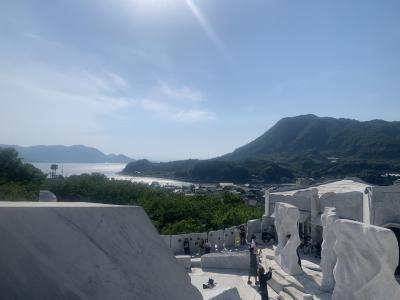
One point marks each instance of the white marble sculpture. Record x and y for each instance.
(286, 219)
(328, 255)
(367, 257)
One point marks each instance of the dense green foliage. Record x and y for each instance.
(369, 171)
(319, 138)
(297, 147)
(282, 171)
(171, 213)
(18, 181)
(213, 170)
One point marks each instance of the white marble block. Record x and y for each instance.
(229, 237)
(228, 260)
(286, 219)
(328, 255)
(72, 250)
(216, 239)
(184, 261)
(367, 257)
(253, 227)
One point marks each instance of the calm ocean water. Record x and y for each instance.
(108, 169)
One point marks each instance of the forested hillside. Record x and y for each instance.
(171, 213)
(302, 146)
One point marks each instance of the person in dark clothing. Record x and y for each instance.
(298, 257)
(242, 235)
(253, 265)
(186, 246)
(207, 246)
(262, 279)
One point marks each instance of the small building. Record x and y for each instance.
(226, 185)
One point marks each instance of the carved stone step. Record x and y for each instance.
(278, 282)
(296, 294)
(284, 296)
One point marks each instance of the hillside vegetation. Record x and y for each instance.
(303, 146)
(170, 213)
(320, 138)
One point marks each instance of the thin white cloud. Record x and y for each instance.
(153, 105)
(180, 93)
(178, 103)
(45, 104)
(194, 115)
(205, 25)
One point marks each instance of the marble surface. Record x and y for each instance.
(227, 260)
(367, 257)
(253, 227)
(184, 261)
(328, 255)
(85, 251)
(286, 219)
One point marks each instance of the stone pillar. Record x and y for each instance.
(315, 209)
(328, 255)
(367, 257)
(286, 220)
(266, 202)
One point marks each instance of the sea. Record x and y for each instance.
(111, 170)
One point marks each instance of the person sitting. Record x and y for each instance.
(263, 279)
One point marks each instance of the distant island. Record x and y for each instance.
(301, 146)
(66, 154)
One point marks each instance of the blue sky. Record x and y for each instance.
(175, 79)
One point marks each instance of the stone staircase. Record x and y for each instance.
(299, 287)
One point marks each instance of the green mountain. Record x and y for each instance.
(320, 138)
(66, 154)
(302, 146)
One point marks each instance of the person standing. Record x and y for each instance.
(242, 235)
(186, 247)
(298, 257)
(263, 280)
(253, 265)
(207, 247)
(201, 247)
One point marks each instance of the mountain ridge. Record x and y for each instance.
(304, 134)
(66, 154)
(301, 146)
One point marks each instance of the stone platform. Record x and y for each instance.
(55, 250)
(232, 282)
(299, 287)
(230, 285)
(227, 260)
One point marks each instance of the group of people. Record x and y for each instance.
(260, 277)
(256, 271)
(204, 246)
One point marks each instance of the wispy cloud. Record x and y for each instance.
(177, 103)
(153, 105)
(180, 93)
(194, 115)
(205, 25)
